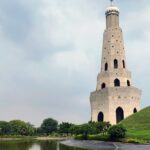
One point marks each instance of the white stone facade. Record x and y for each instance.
(115, 97)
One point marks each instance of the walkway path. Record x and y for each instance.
(99, 145)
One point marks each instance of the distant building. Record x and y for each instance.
(115, 97)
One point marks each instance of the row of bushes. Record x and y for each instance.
(21, 128)
(16, 127)
(97, 137)
(90, 130)
(115, 132)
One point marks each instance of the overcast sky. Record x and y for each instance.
(50, 54)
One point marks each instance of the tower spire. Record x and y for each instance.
(112, 2)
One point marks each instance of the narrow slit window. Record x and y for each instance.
(123, 62)
(106, 66)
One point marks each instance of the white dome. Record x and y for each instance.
(112, 8)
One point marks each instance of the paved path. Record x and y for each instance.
(99, 145)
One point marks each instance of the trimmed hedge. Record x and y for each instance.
(116, 132)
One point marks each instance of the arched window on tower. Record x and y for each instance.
(123, 63)
(115, 63)
(119, 114)
(128, 83)
(116, 82)
(100, 117)
(103, 86)
(106, 66)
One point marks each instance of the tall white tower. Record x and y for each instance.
(115, 97)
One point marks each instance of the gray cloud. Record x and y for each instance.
(50, 55)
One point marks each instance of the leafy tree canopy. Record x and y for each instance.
(64, 127)
(19, 127)
(4, 128)
(49, 125)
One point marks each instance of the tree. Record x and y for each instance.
(99, 127)
(64, 127)
(83, 130)
(4, 128)
(18, 127)
(75, 129)
(106, 126)
(39, 131)
(30, 128)
(116, 132)
(49, 125)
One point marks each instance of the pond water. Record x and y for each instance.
(33, 145)
(55, 145)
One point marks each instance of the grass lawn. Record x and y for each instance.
(143, 135)
(99, 137)
(138, 125)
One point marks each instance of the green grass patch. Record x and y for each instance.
(138, 125)
(142, 135)
(139, 121)
(16, 136)
(134, 140)
(99, 137)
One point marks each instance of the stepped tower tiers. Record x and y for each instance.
(115, 97)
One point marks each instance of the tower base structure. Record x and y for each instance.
(113, 104)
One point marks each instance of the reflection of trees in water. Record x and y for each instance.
(29, 145)
(48, 145)
(53, 145)
(15, 145)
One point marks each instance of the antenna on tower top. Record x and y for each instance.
(112, 2)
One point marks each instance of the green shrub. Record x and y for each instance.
(49, 126)
(81, 137)
(136, 141)
(116, 132)
(100, 137)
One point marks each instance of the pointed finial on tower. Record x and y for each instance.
(112, 8)
(112, 2)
